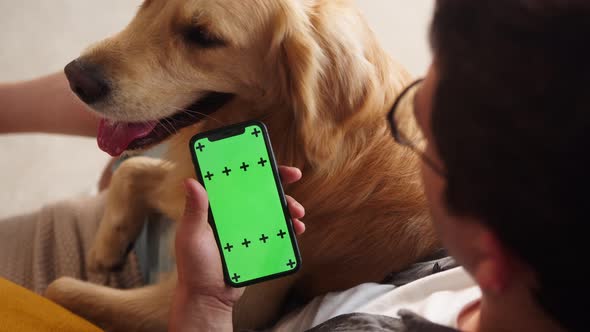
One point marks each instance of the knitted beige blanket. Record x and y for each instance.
(37, 248)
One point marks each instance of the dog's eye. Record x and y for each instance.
(199, 36)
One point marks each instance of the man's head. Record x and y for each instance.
(506, 113)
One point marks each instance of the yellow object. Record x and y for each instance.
(24, 311)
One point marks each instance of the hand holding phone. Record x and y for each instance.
(248, 210)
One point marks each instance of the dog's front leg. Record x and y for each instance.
(130, 199)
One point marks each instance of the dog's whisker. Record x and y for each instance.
(171, 126)
(195, 114)
(192, 112)
(163, 125)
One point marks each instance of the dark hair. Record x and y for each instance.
(511, 122)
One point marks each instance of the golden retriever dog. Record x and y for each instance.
(313, 71)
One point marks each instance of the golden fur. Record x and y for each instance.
(314, 73)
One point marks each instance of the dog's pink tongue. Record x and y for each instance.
(114, 137)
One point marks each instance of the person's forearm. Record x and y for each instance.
(189, 314)
(44, 105)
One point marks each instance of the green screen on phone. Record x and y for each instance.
(247, 206)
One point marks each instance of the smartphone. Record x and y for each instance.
(247, 206)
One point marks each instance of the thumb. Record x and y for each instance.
(191, 230)
(197, 204)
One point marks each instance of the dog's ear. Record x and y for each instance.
(301, 64)
(332, 71)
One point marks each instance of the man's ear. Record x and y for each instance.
(493, 269)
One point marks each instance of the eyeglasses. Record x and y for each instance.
(405, 128)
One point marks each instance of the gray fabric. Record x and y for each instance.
(360, 322)
(409, 322)
(415, 323)
(39, 247)
(153, 248)
(439, 262)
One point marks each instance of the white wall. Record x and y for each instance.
(41, 36)
(402, 26)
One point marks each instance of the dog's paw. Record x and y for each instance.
(104, 260)
(61, 291)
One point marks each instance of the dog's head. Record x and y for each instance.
(180, 61)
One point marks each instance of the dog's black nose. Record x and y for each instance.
(86, 81)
